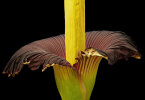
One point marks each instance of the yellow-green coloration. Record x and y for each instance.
(68, 83)
(89, 73)
(77, 82)
(27, 62)
(88, 67)
(74, 28)
(46, 67)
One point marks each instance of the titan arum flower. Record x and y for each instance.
(75, 56)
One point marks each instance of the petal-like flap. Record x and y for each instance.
(42, 52)
(116, 45)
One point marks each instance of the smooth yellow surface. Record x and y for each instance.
(74, 28)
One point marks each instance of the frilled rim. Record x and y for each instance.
(88, 53)
(112, 45)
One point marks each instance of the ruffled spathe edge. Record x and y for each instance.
(112, 45)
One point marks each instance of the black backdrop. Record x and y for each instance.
(24, 22)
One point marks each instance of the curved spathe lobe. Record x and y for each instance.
(43, 52)
(114, 45)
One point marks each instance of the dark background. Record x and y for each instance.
(24, 22)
